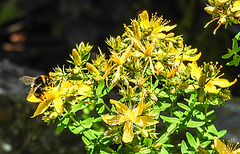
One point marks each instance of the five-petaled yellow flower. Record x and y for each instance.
(210, 83)
(225, 149)
(128, 117)
(56, 96)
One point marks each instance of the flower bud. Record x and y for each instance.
(222, 20)
(76, 57)
(136, 29)
(92, 69)
(158, 145)
(53, 115)
(136, 148)
(210, 10)
(144, 133)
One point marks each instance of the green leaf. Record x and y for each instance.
(237, 37)
(172, 128)
(191, 140)
(226, 56)
(235, 60)
(100, 87)
(230, 63)
(164, 106)
(100, 107)
(209, 113)
(183, 106)
(86, 141)
(89, 134)
(146, 151)
(78, 106)
(163, 151)
(76, 129)
(60, 128)
(212, 129)
(85, 58)
(87, 123)
(164, 138)
(235, 47)
(163, 94)
(205, 144)
(147, 141)
(170, 119)
(221, 133)
(179, 114)
(184, 147)
(65, 120)
(194, 124)
(98, 119)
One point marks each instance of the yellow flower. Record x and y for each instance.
(128, 117)
(225, 149)
(55, 96)
(209, 82)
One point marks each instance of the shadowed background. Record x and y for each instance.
(36, 36)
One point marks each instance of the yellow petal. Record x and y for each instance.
(224, 83)
(209, 87)
(144, 20)
(42, 107)
(236, 151)
(144, 121)
(219, 146)
(195, 70)
(58, 104)
(116, 76)
(121, 108)
(83, 89)
(31, 98)
(138, 110)
(113, 120)
(137, 54)
(236, 6)
(167, 28)
(128, 132)
(192, 58)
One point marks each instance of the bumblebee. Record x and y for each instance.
(39, 85)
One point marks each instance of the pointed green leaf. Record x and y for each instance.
(170, 119)
(230, 63)
(191, 140)
(172, 128)
(100, 106)
(211, 128)
(76, 129)
(226, 56)
(164, 138)
(194, 124)
(235, 60)
(221, 133)
(86, 141)
(183, 106)
(89, 134)
(99, 89)
(184, 147)
(164, 151)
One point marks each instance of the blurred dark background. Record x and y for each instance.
(36, 36)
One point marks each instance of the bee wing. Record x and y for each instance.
(27, 80)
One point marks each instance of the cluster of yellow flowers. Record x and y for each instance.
(147, 62)
(225, 11)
